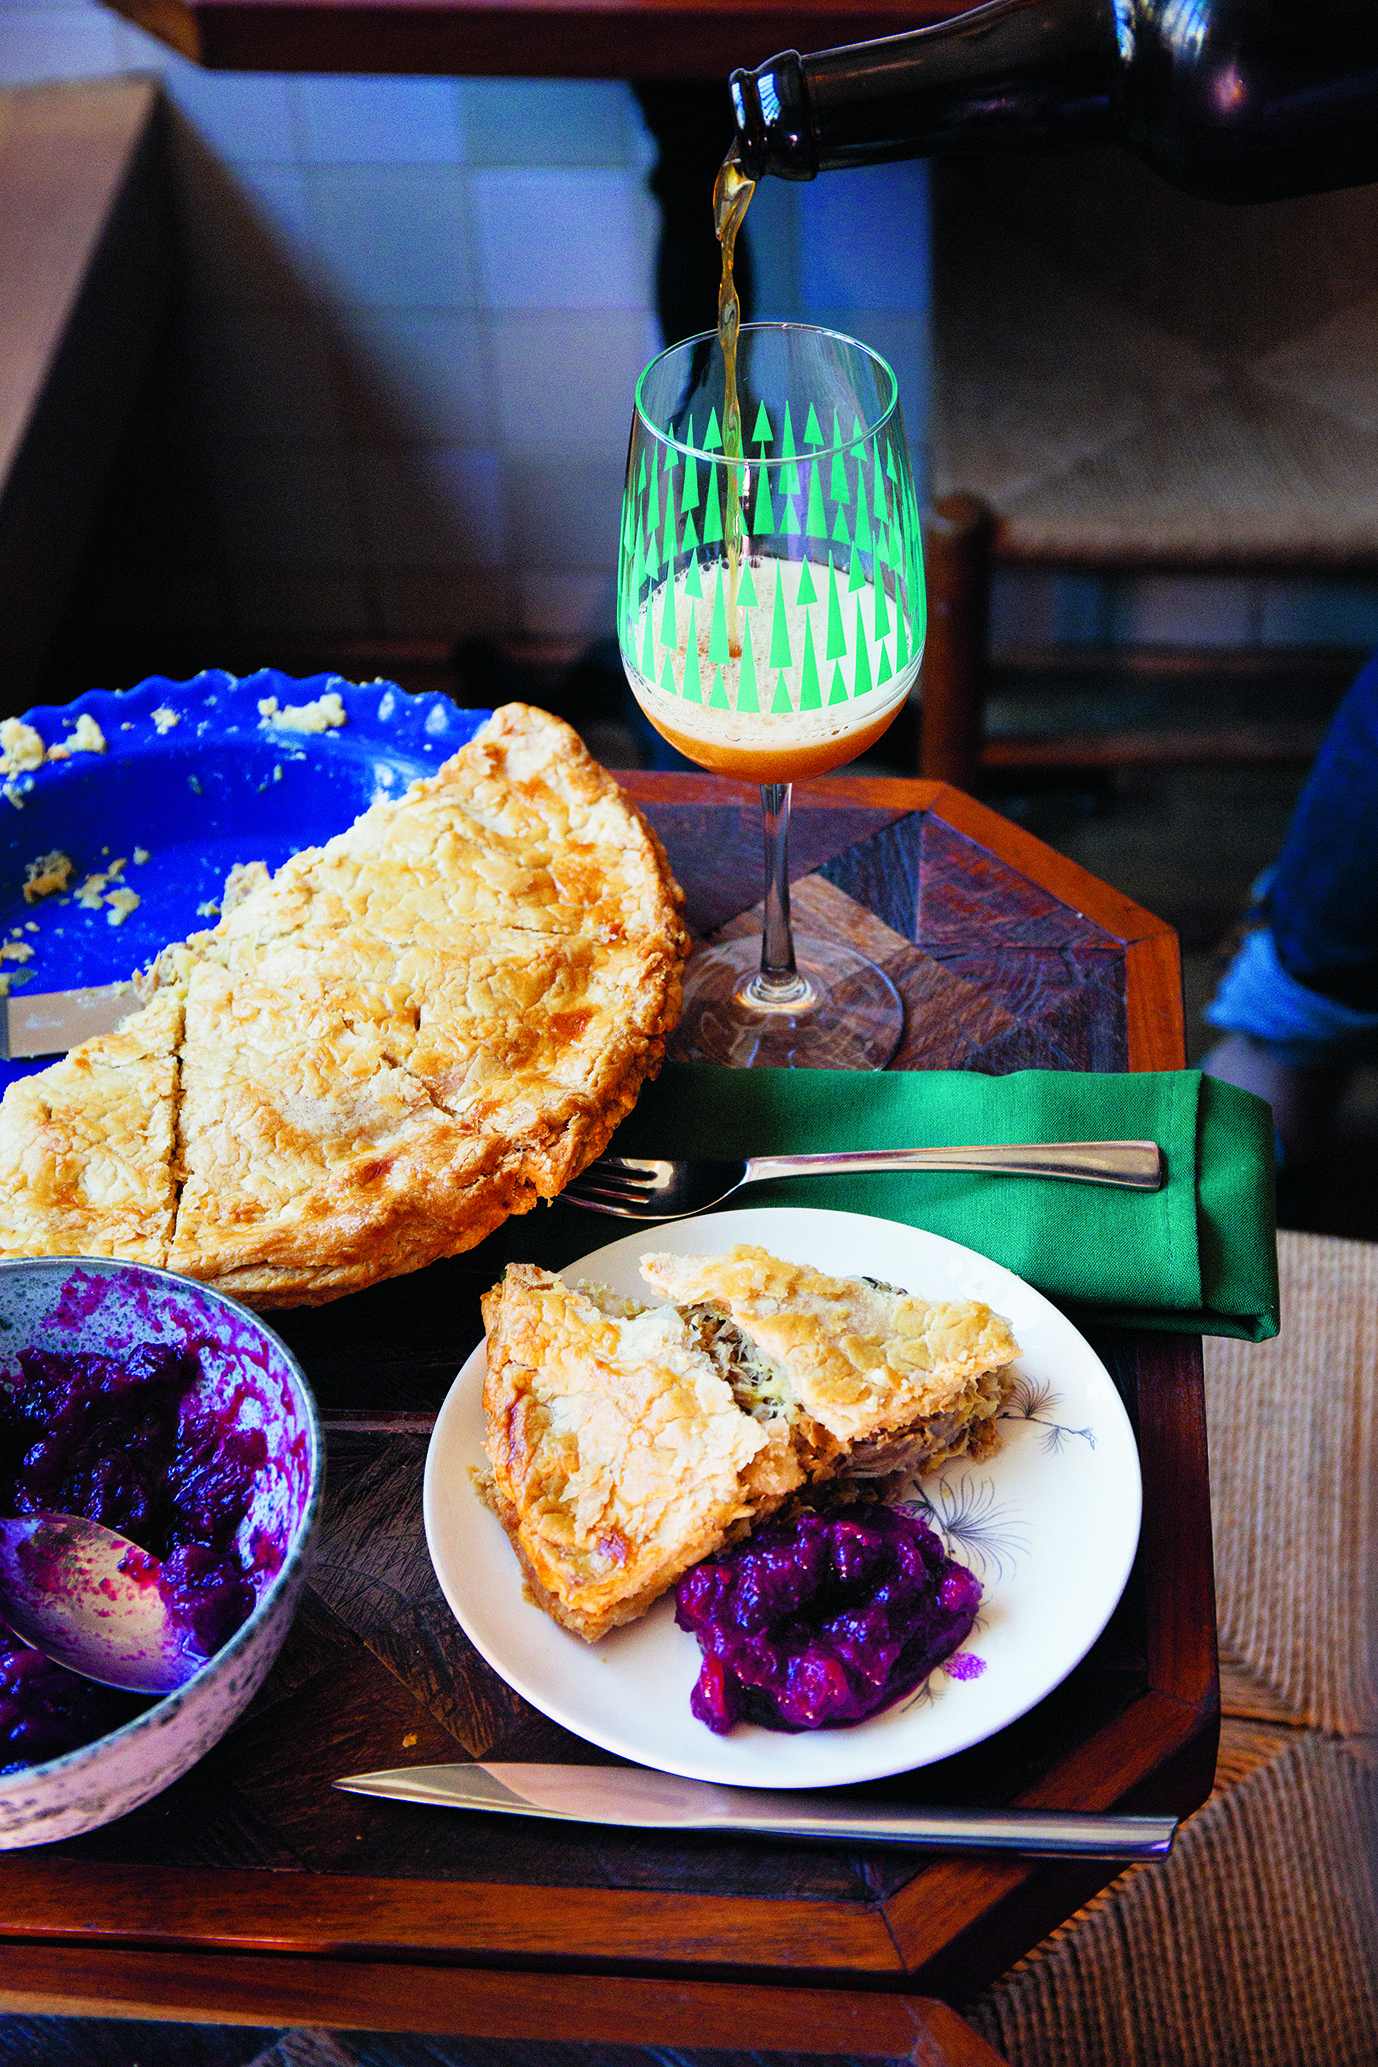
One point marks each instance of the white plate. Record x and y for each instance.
(1049, 1525)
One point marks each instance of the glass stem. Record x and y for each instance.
(778, 983)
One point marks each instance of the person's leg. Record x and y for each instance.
(1299, 1002)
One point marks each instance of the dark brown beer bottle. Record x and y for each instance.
(1231, 100)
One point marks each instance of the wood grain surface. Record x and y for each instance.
(548, 39)
(253, 1866)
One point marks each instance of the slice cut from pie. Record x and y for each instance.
(86, 1146)
(380, 1052)
(625, 1443)
(870, 1378)
(619, 1456)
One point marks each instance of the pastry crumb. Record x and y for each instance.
(323, 715)
(91, 895)
(87, 739)
(140, 856)
(21, 748)
(164, 719)
(209, 910)
(120, 903)
(194, 784)
(46, 873)
(16, 951)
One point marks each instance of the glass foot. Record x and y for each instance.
(844, 1013)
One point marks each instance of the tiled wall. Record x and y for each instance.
(416, 309)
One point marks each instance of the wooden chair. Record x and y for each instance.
(1129, 382)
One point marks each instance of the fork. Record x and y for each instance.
(644, 1188)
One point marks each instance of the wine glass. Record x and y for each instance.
(770, 614)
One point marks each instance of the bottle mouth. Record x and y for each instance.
(774, 126)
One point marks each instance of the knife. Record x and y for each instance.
(637, 1799)
(56, 1020)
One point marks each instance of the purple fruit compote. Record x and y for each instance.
(130, 1441)
(823, 1619)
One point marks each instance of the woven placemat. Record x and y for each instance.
(1257, 1942)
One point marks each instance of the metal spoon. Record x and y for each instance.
(91, 1600)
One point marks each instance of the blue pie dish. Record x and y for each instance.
(215, 784)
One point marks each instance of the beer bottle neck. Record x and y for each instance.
(1018, 73)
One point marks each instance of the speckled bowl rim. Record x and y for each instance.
(298, 1544)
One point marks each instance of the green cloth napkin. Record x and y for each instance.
(1200, 1255)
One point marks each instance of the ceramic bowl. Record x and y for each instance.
(91, 1305)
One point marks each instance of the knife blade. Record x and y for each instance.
(634, 1798)
(53, 1021)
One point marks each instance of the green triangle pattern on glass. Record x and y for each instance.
(652, 562)
(809, 698)
(761, 432)
(690, 541)
(857, 579)
(817, 525)
(780, 655)
(627, 502)
(712, 437)
(689, 495)
(667, 543)
(901, 642)
(653, 489)
(839, 487)
(667, 678)
(648, 649)
(718, 648)
(693, 583)
(812, 433)
(884, 671)
(763, 524)
(746, 587)
(793, 527)
(890, 473)
(840, 532)
(746, 680)
(693, 691)
(837, 637)
(788, 448)
(861, 685)
(781, 707)
(882, 609)
(859, 439)
(641, 477)
(712, 511)
(838, 692)
(669, 628)
(878, 496)
(717, 695)
(863, 521)
(790, 483)
(807, 592)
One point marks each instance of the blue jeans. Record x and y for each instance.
(1306, 984)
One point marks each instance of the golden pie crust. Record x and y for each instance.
(380, 1052)
(625, 1443)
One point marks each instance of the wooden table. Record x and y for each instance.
(523, 39)
(253, 1892)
